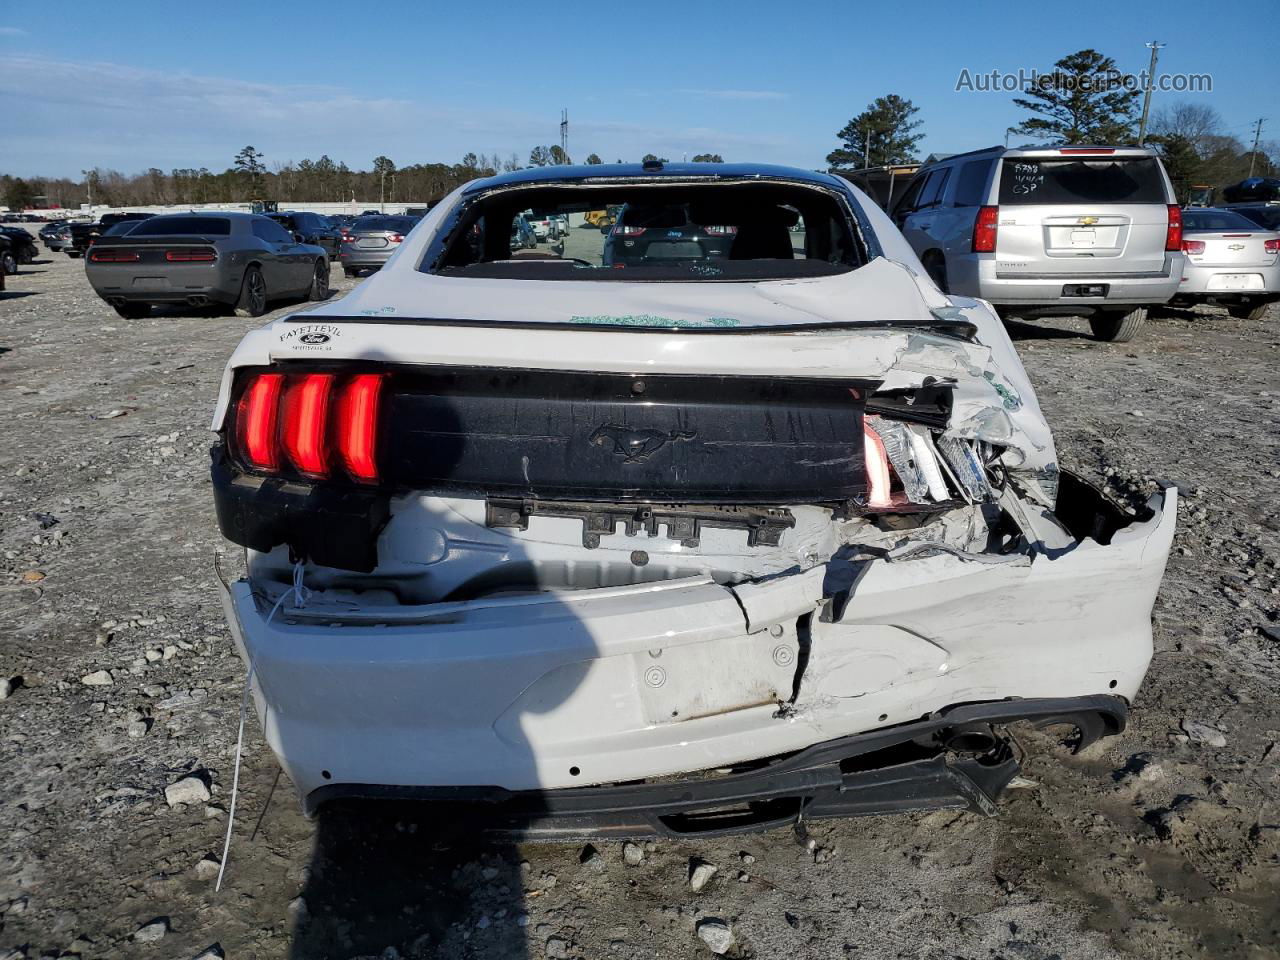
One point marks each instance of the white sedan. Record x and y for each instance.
(705, 542)
(1230, 261)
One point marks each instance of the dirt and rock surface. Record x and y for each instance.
(122, 690)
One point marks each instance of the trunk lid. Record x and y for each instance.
(1230, 249)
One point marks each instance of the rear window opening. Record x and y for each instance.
(1215, 221)
(182, 227)
(655, 232)
(391, 224)
(1028, 180)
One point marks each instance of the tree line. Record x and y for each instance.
(250, 178)
(1067, 108)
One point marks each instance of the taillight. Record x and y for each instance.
(877, 462)
(357, 426)
(1271, 246)
(302, 419)
(985, 225)
(622, 231)
(192, 255)
(256, 421)
(396, 238)
(720, 231)
(1193, 246)
(348, 238)
(1173, 236)
(306, 409)
(113, 256)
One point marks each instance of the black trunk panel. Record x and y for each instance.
(618, 437)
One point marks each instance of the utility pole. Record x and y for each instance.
(1257, 136)
(382, 193)
(866, 151)
(88, 182)
(1146, 97)
(564, 133)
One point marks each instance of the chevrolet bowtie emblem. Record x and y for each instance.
(1235, 246)
(1087, 221)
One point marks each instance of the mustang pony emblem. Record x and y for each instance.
(636, 446)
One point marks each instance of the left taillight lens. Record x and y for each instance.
(113, 256)
(308, 424)
(1173, 236)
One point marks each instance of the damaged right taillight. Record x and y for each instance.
(312, 424)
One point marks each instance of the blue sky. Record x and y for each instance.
(138, 84)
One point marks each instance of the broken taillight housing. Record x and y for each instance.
(313, 425)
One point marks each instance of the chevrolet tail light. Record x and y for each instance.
(1173, 236)
(985, 225)
(1193, 246)
(1271, 246)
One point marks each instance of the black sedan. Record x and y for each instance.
(201, 259)
(311, 228)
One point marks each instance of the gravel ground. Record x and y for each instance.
(1162, 843)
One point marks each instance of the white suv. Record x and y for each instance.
(1091, 231)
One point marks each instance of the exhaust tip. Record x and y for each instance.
(974, 741)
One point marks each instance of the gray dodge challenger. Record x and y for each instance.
(200, 259)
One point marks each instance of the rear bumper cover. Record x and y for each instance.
(555, 691)
(984, 277)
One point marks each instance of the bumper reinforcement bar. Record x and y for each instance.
(956, 758)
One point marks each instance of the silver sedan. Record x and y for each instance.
(372, 240)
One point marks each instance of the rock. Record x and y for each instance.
(154, 689)
(153, 931)
(153, 655)
(1203, 733)
(211, 952)
(6, 688)
(557, 948)
(297, 907)
(137, 729)
(590, 856)
(32, 576)
(716, 934)
(632, 854)
(700, 874)
(747, 858)
(186, 790)
(207, 868)
(99, 678)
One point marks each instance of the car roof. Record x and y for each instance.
(577, 173)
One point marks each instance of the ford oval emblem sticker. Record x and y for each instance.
(314, 339)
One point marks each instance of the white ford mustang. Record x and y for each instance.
(715, 517)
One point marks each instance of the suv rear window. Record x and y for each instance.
(641, 231)
(1025, 180)
(183, 226)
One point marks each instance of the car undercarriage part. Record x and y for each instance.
(957, 758)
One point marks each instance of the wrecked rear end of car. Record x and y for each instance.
(778, 549)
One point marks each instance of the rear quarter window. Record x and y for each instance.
(1027, 180)
(971, 186)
